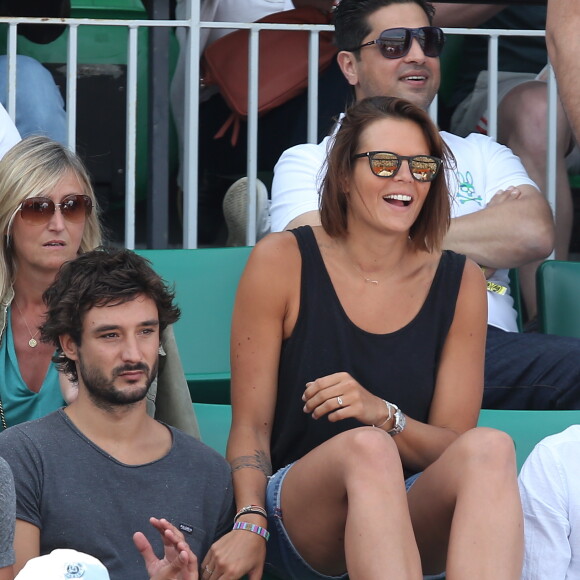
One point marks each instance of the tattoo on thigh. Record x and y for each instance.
(257, 461)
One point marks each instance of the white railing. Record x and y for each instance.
(193, 25)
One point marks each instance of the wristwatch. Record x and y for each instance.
(400, 421)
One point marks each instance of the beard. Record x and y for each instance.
(103, 392)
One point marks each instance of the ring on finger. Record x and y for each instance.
(209, 572)
(339, 401)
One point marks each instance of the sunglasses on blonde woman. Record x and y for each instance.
(39, 210)
(396, 42)
(387, 164)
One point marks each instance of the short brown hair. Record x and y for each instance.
(433, 222)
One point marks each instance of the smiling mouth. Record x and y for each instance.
(54, 244)
(415, 78)
(399, 199)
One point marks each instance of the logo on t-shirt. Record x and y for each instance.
(186, 528)
(76, 570)
(466, 190)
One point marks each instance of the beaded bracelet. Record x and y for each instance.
(251, 509)
(252, 528)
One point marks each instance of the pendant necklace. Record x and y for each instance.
(32, 342)
(367, 280)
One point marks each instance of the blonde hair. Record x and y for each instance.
(31, 168)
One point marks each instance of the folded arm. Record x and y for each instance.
(516, 229)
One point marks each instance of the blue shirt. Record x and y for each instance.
(19, 402)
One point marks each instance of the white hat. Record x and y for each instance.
(63, 564)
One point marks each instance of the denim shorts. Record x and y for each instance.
(282, 558)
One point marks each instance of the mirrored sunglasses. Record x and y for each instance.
(396, 42)
(39, 210)
(423, 168)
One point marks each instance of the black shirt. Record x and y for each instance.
(400, 367)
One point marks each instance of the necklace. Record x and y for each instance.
(32, 342)
(369, 281)
(365, 278)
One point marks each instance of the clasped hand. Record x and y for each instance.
(339, 396)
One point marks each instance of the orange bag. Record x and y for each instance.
(283, 64)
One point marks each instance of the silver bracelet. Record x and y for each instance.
(390, 411)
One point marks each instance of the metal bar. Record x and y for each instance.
(158, 134)
(191, 130)
(131, 153)
(12, 82)
(313, 58)
(71, 86)
(551, 179)
(253, 71)
(492, 80)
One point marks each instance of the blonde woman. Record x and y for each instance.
(49, 215)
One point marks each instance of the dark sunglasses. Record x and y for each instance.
(396, 42)
(39, 210)
(386, 164)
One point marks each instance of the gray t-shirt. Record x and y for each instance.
(7, 515)
(82, 498)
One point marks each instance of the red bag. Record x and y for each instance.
(283, 64)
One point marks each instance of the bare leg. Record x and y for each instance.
(467, 505)
(522, 127)
(357, 518)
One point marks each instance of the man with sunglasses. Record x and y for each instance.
(500, 219)
(522, 121)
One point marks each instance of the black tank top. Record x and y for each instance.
(400, 367)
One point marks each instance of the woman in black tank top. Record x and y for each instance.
(357, 371)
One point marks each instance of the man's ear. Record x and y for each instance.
(348, 65)
(69, 346)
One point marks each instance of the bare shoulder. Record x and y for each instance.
(473, 290)
(272, 273)
(276, 254)
(473, 276)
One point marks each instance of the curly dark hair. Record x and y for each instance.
(101, 277)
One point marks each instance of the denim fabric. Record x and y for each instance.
(282, 558)
(39, 103)
(531, 371)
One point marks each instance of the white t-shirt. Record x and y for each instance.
(483, 168)
(231, 11)
(9, 134)
(550, 490)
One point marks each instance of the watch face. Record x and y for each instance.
(400, 422)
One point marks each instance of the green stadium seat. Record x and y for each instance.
(527, 428)
(558, 289)
(214, 424)
(205, 284)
